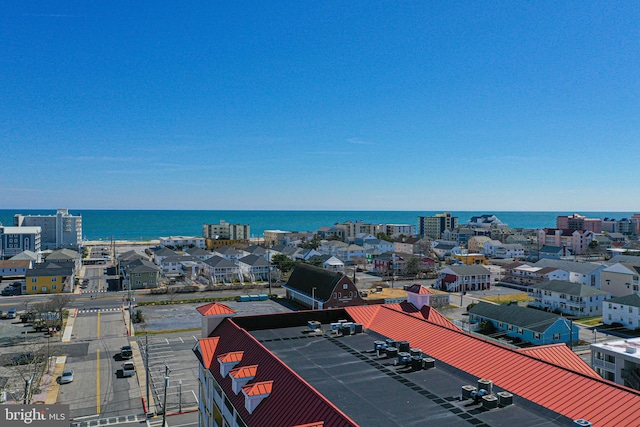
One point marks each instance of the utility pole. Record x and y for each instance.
(269, 268)
(146, 364)
(164, 404)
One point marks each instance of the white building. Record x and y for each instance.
(620, 279)
(509, 250)
(586, 273)
(573, 299)
(226, 231)
(489, 247)
(624, 310)
(58, 231)
(618, 361)
(183, 242)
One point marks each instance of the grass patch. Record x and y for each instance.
(501, 299)
(590, 321)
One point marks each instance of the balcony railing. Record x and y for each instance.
(632, 378)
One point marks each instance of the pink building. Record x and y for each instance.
(577, 240)
(579, 222)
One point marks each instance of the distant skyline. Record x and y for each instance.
(331, 105)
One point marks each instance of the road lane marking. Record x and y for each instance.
(98, 381)
(98, 324)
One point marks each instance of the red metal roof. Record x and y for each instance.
(215, 309)
(244, 372)
(207, 349)
(292, 401)
(570, 393)
(419, 289)
(258, 389)
(561, 355)
(318, 424)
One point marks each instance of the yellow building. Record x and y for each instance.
(49, 278)
(471, 259)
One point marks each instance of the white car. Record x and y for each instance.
(67, 376)
(128, 369)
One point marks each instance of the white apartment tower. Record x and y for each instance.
(59, 231)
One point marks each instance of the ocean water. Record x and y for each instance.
(151, 224)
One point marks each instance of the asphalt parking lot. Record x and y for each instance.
(185, 316)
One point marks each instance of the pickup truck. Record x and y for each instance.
(128, 369)
(126, 352)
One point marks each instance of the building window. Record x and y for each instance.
(556, 336)
(536, 335)
(34, 279)
(54, 287)
(34, 288)
(520, 331)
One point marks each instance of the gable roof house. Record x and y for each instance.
(14, 268)
(527, 324)
(458, 278)
(569, 298)
(624, 310)
(220, 270)
(553, 252)
(232, 254)
(254, 268)
(263, 370)
(179, 264)
(620, 279)
(406, 245)
(319, 288)
(49, 278)
(523, 275)
(586, 273)
(160, 253)
(139, 274)
(199, 253)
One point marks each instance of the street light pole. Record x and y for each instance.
(313, 298)
(164, 404)
(180, 396)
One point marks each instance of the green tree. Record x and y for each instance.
(384, 236)
(283, 263)
(413, 266)
(315, 261)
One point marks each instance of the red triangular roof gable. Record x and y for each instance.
(208, 349)
(214, 308)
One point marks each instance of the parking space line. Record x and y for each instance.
(98, 380)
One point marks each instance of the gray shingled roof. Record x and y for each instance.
(523, 317)
(468, 270)
(570, 266)
(219, 262)
(569, 288)
(305, 277)
(632, 300)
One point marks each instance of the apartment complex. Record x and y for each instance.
(434, 226)
(58, 231)
(15, 240)
(226, 231)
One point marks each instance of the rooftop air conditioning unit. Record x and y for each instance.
(489, 401)
(466, 391)
(485, 384)
(504, 398)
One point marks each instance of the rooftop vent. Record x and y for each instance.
(489, 401)
(467, 390)
(485, 384)
(581, 423)
(504, 398)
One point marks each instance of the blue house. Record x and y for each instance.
(528, 324)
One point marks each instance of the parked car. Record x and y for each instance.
(67, 376)
(9, 291)
(85, 282)
(128, 369)
(23, 358)
(126, 352)
(11, 314)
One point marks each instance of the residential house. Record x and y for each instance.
(220, 270)
(509, 250)
(319, 288)
(624, 310)
(618, 361)
(180, 242)
(406, 245)
(139, 274)
(458, 278)
(379, 244)
(489, 247)
(160, 253)
(65, 257)
(255, 250)
(179, 265)
(527, 324)
(620, 279)
(14, 268)
(229, 253)
(396, 230)
(306, 254)
(247, 377)
(199, 253)
(569, 298)
(390, 263)
(469, 258)
(49, 278)
(350, 252)
(553, 252)
(524, 275)
(276, 237)
(460, 235)
(331, 232)
(586, 273)
(476, 244)
(443, 250)
(331, 247)
(254, 268)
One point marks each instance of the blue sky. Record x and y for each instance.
(320, 105)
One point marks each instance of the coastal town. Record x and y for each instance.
(402, 305)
